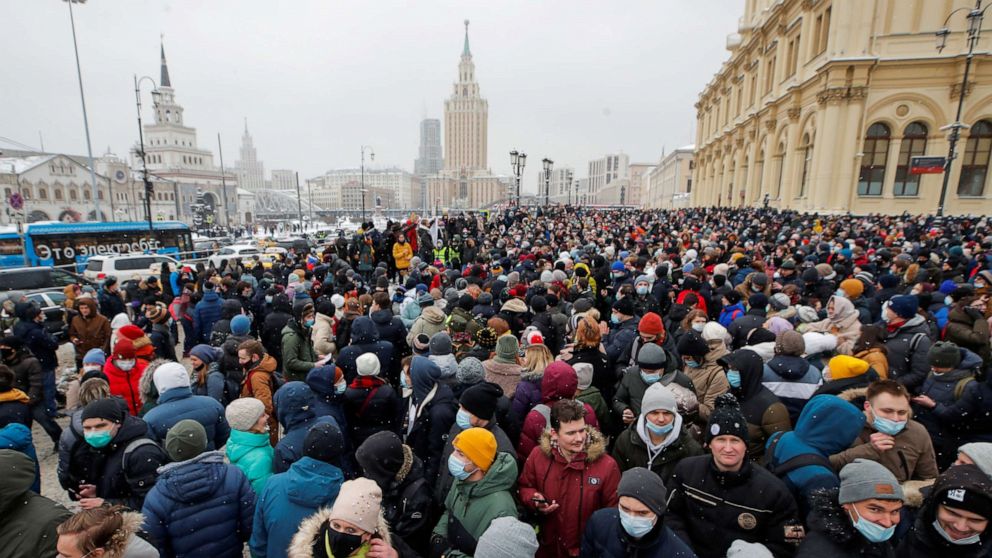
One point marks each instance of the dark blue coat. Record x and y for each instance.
(365, 339)
(15, 411)
(288, 499)
(41, 343)
(326, 401)
(205, 315)
(294, 409)
(604, 537)
(180, 403)
(200, 507)
(17, 437)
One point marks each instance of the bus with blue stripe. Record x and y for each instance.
(69, 245)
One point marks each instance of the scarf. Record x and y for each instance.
(366, 382)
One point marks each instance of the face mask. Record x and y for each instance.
(873, 531)
(98, 439)
(698, 328)
(650, 378)
(734, 378)
(341, 544)
(840, 293)
(339, 388)
(636, 527)
(756, 289)
(404, 383)
(948, 300)
(308, 323)
(268, 299)
(642, 291)
(463, 419)
(126, 365)
(974, 539)
(659, 430)
(886, 426)
(691, 364)
(979, 284)
(457, 468)
(614, 319)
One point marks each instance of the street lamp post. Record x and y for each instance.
(548, 165)
(141, 153)
(517, 163)
(975, 17)
(362, 190)
(568, 184)
(86, 121)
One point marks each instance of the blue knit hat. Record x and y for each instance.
(888, 281)
(240, 324)
(947, 287)
(95, 356)
(206, 353)
(617, 266)
(904, 306)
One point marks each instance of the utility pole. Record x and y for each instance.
(223, 182)
(299, 202)
(86, 121)
(144, 161)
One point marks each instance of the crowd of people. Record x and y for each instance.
(557, 382)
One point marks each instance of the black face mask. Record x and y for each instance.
(7, 354)
(249, 365)
(342, 544)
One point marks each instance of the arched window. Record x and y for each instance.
(86, 195)
(759, 171)
(779, 169)
(43, 193)
(914, 144)
(876, 154)
(58, 194)
(807, 153)
(975, 163)
(73, 195)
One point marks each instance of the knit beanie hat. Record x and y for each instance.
(651, 324)
(964, 487)
(157, 313)
(807, 314)
(888, 281)
(470, 371)
(240, 325)
(478, 445)
(791, 343)
(243, 413)
(864, 479)
(581, 305)
(651, 357)
(507, 537)
(206, 353)
(185, 440)
(486, 338)
(123, 349)
(779, 301)
(324, 442)
(944, 354)
(659, 398)
(583, 370)
(743, 549)
(845, 366)
(760, 335)
(170, 375)
(109, 408)
(905, 306)
(481, 399)
(367, 364)
(383, 458)
(532, 337)
(539, 304)
(506, 349)
(757, 300)
(733, 297)
(980, 454)
(624, 306)
(440, 344)
(692, 345)
(359, 502)
(726, 419)
(852, 288)
(135, 334)
(646, 487)
(94, 356)
(421, 344)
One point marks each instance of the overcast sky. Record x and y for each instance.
(569, 80)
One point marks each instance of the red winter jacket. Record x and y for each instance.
(581, 486)
(559, 382)
(125, 384)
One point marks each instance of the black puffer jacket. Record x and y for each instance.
(272, 326)
(908, 362)
(831, 533)
(371, 409)
(923, 541)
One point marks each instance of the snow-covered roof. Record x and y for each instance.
(19, 165)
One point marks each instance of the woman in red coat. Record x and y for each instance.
(124, 371)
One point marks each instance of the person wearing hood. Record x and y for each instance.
(310, 484)
(105, 532)
(371, 403)
(124, 372)
(176, 402)
(89, 329)
(29, 378)
(441, 353)
(708, 378)
(907, 341)
(324, 324)
(827, 425)
(273, 324)
(249, 447)
(764, 413)
(653, 362)
(17, 436)
(789, 376)
(954, 519)
(28, 521)
(742, 327)
(143, 348)
(484, 306)
(560, 382)
(566, 478)
(114, 462)
(297, 349)
(504, 367)
(260, 381)
(413, 304)
(328, 385)
(658, 439)
(755, 506)
(622, 332)
(364, 340)
(431, 414)
(295, 411)
(430, 321)
(14, 403)
(208, 379)
(390, 328)
(160, 335)
(842, 321)
(206, 313)
(199, 506)
(856, 518)
(733, 308)
(480, 492)
(588, 394)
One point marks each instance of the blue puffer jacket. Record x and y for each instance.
(827, 425)
(365, 339)
(326, 401)
(16, 436)
(287, 500)
(294, 409)
(731, 313)
(180, 403)
(200, 507)
(205, 315)
(794, 380)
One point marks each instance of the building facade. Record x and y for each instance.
(430, 158)
(283, 179)
(251, 171)
(823, 103)
(638, 178)
(669, 184)
(609, 179)
(395, 188)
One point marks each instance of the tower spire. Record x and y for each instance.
(164, 81)
(465, 50)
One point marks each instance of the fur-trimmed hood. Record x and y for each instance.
(306, 535)
(146, 386)
(135, 547)
(595, 444)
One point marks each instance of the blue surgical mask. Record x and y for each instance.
(614, 319)
(659, 430)
(98, 439)
(268, 299)
(734, 378)
(636, 527)
(642, 290)
(404, 383)
(463, 419)
(339, 388)
(886, 426)
(873, 532)
(974, 539)
(948, 300)
(840, 293)
(691, 364)
(650, 378)
(457, 468)
(308, 323)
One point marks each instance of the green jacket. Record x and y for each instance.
(476, 504)
(252, 453)
(630, 451)
(27, 520)
(594, 398)
(298, 356)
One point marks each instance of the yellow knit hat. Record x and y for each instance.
(852, 287)
(479, 445)
(844, 366)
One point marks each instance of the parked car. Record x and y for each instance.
(35, 278)
(51, 303)
(125, 266)
(237, 252)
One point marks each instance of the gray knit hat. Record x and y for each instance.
(243, 413)
(470, 371)
(440, 344)
(807, 314)
(658, 397)
(944, 354)
(863, 479)
(779, 301)
(645, 487)
(981, 454)
(506, 348)
(507, 537)
(651, 357)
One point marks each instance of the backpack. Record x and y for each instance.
(797, 462)
(232, 388)
(129, 449)
(217, 338)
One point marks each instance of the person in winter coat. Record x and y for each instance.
(159, 333)
(110, 531)
(755, 506)
(371, 403)
(706, 373)
(528, 389)
(907, 341)
(764, 413)
(28, 521)
(260, 381)
(402, 253)
(272, 326)
(954, 519)
(199, 505)
(294, 407)
(124, 371)
(36, 338)
(310, 484)
(208, 378)
(432, 411)
(480, 493)
(430, 321)
(89, 329)
(440, 352)
(635, 527)
(870, 348)
(967, 327)
(30, 378)
(658, 440)
(844, 373)
(248, 447)
(298, 355)
(365, 339)
(842, 321)
(92, 389)
(589, 394)
(109, 299)
(560, 382)
(206, 313)
(733, 308)
(651, 365)
(587, 347)
(557, 479)
(827, 425)
(14, 403)
(322, 333)
(176, 402)
(329, 386)
(16, 436)
(789, 376)
(390, 328)
(622, 332)
(504, 367)
(114, 461)
(858, 518)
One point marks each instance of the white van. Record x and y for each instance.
(125, 266)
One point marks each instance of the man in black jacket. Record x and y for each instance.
(276, 319)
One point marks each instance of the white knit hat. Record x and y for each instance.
(170, 375)
(359, 502)
(658, 397)
(243, 413)
(507, 537)
(584, 372)
(367, 364)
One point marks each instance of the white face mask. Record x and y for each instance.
(126, 365)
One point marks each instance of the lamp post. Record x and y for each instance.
(86, 121)
(141, 152)
(975, 17)
(568, 184)
(517, 163)
(362, 190)
(548, 166)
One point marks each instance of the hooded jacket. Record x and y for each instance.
(526, 395)
(560, 382)
(967, 417)
(200, 507)
(580, 486)
(631, 450)
(908, 362)
(372, 409)
(14, 407)
(793, 380)
(178, 404)
(764, 413)
(434, 409)
(260, 382)
(444, 481)
(326, 400)
(205, 315)
(288, 499)
(294, 409)
(92, 332)
(391, 330)
(28, 375)
(709, 380)
(632, 386)
(27, 520)
(504, 374)
(322, 334)
(430, 321)
(365, 339)
(303, 541)
(37, 340)
(831, 532)
(126, 384)
(17, 436)
(845, 324)
(923, 541)
(298, 356)
(272, 326)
